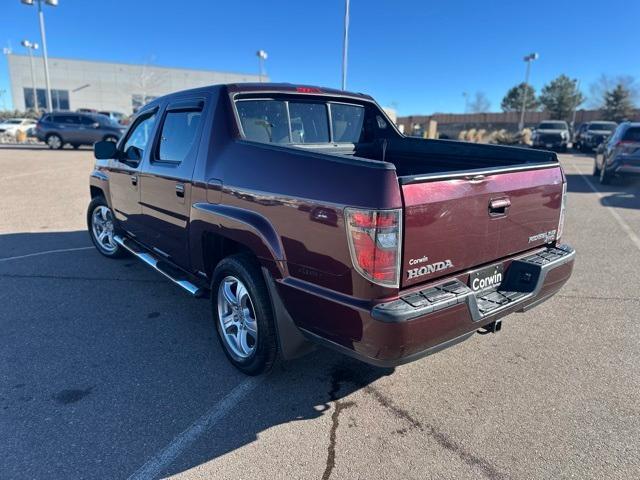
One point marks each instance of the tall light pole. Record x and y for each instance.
(345, 45)
(529, 58)
(262, 56)
(43, 37)
(30, 46)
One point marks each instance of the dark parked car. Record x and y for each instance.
(308, 217)
(76, 128)
(552, 135)
(620, 155)
(592, 134)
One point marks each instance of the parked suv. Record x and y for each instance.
(592, 134)
(552, 135)
(620, 155)
(306, 216)
(76, 128)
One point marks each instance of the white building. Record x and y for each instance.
(117, 87)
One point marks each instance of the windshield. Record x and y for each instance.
(609, 127)
(552, 126)
(300, 122)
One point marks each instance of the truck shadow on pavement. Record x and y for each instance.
(103, 364)
(621, 193)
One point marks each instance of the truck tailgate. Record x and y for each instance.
(455, 224)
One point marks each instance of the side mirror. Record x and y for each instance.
(133, 154)
(104, 150)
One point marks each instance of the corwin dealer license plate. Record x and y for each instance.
(488, 278)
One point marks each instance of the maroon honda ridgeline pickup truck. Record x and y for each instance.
(309, 218)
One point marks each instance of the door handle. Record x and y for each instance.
(180, 190)
(134, 179)
(499, 206)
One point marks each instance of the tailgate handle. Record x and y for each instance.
(499, 206)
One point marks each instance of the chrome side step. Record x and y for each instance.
(162, 266)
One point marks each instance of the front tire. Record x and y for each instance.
(101, 225)
(243, 316)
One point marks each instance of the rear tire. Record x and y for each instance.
(243, 316)
(101, 225)
(605, 177)
(596, 170)
(54, 141)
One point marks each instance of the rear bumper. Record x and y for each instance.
(423, 322)
(625, 165)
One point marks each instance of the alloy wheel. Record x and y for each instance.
(54, 142)
(102, 228)
(237, 318)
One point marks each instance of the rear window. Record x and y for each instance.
(610, 127)
(552, 126)
(297, 122)
(632, 135)
(347, 122)
(309, 122)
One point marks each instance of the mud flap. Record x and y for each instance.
(291, 342)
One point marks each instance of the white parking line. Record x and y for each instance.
(625, 226)
(36, 254)
(217, 412)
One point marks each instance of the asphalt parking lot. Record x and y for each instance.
(109, 371)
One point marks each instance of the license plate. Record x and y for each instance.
(488, 278)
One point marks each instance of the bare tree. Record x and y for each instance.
(606, 83)
(480, 103)
(144, 86)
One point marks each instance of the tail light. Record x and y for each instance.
(563, 207)
(627, 146)
(374, 243)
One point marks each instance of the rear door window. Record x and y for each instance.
(178, 135)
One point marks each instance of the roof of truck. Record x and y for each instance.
(267, 87)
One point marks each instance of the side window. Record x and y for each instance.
(70, 119)
(178, 135)
(87, 120)
(141, 134)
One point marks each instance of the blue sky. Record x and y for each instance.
(418, 56)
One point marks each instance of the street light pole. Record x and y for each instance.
(30, 47)
(43, 36)
(345, 45)
(529, 58)
(262, 56)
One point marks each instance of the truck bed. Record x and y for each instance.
(417, 157)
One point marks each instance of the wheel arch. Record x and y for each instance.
(99, 185)
(221, 230)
